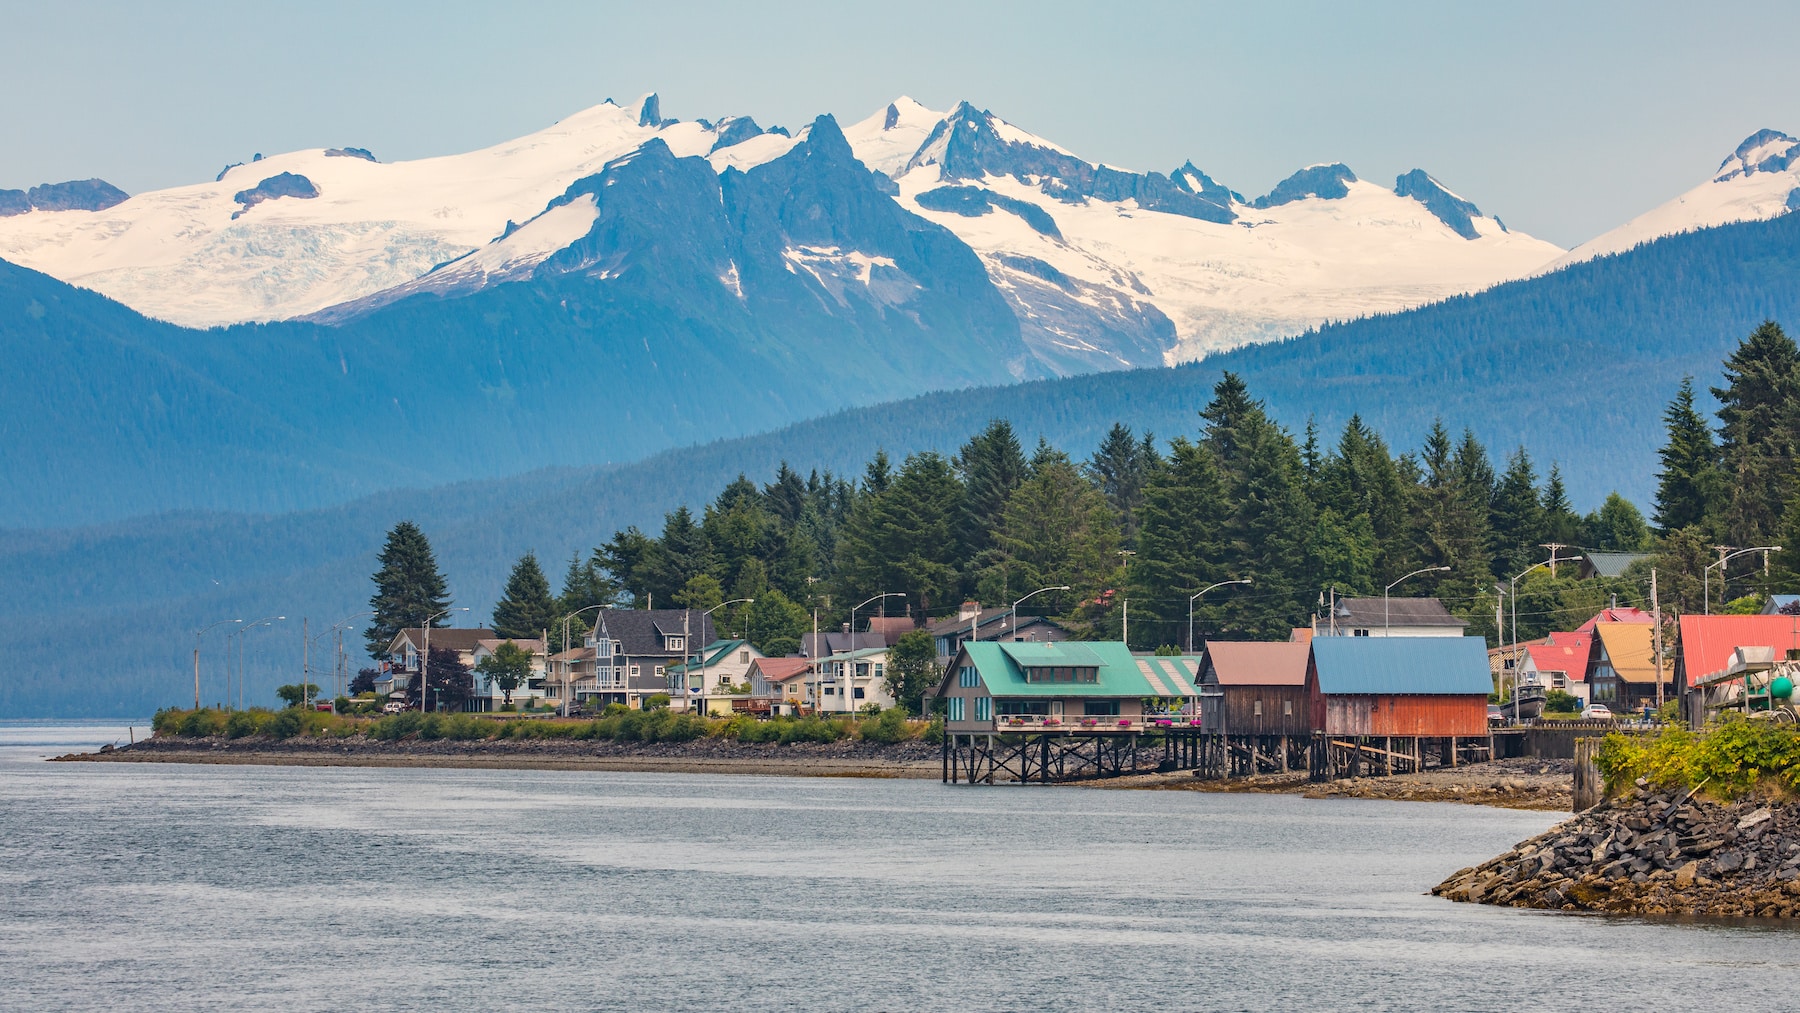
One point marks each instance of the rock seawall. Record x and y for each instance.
(1652, 852)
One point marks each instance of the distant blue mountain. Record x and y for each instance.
(1576, 366)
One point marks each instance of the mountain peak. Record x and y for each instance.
(1328, 181)
(1764, 151)
(1450, 209)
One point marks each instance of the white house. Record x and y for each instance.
(710, 680)
(487, 696)
(1388, 617)
(851, 680)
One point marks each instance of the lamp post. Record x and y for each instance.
(1195, 597)
(1390, 587)
(848, 687)
(197, 635)
(337, 662)
(239, 634)
(1012, 615)
(702, 653)
(565, 643)
(425, 658)
(1725, 557)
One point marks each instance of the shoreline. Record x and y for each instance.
(1540, 785)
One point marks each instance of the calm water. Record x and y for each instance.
(181, 888)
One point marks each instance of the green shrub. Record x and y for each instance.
(934, 732)
(889, 728)
(656, 701)
(285, 725)
(813, 729)
(240, 724)
(167, 721)
(1729, 759)
(201, 723)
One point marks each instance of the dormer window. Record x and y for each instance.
(1062, 673)
(676, 644)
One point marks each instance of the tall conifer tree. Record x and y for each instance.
(409, 588)
(1688, 486)
(1757, 421)
(525, 608)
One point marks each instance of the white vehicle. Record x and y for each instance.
(1597, 712)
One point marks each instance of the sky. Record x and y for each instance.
(1564, 119)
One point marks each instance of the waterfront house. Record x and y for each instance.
(714, 679)
(1254, 688)
(404, 650)
(1622, 666)
(781, 682)
(486, 696)
(1032, 686)
(849, 681)
(1389, 617)
(633, 650)
(1398, 686)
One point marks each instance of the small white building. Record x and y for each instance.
(849, 681)
(709, 681)
(1388, 617)
(530, 693)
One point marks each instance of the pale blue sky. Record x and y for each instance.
(1564, 119)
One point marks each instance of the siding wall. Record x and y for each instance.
(1401, 715)
(1235, 713)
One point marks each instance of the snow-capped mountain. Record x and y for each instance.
(1107, 267)
(291, 234)
(1761, 179)
(1102, 267)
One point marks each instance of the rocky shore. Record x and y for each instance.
(846, 758)
(1652, 852)
(1545, 785)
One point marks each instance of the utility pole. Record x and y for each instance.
(1656, 618)
(1125, 624)
(1553, 547)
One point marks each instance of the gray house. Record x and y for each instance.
(632, 651)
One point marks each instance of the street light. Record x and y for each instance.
(197, 635)
(703, 615)
(1193, 597)
(337, 661)
(848, 687)
(565, 645)
(239, 634)
(1012, 616)
(1706, 573)
(1390, 587)
(425, 659)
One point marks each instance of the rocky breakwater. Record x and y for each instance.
(1652, 852)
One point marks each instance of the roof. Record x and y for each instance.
(780, 669)
(815, 645)
(1419, 666)
(574, 654)
(1563, 652)
(1707, 641)
(991, 623)
(1255, 663)
(891, 628)
(1617, 615)
(1121, 673)
(641, 631)
(445, 638)
(532, 644)
(1611, 564)
(1370, 613)
(1629, 649)
(859, 653)
(712, 654)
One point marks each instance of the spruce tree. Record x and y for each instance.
(1179, 550)
(991, 465)
(1451, 517)
(1617, 526)
(1057, 529)
(1688, 486)
(409, 588)
(1757, 419)
(1120, 468)
(1517, 517)
(904, 537)
(1561, 523)
(525, 608)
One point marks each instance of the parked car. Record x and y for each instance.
(392, 707)
(1597, 712)
(1496, 716)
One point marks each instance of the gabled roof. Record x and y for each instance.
(1563, 652)
(1372, 613)
(532, 645)
(1777, 602)
(1707, 641)
(780, 669)
(1424, 666)
(442, 638)
(713, 653)
(891, 628)
(990, 624)
(1625, 614)
(641, 631)
(1002, 666)
(1630, 650)
(815, 645)
(1610, 564)
(1255, 663)
(856, 655)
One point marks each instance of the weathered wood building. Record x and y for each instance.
(1396, 699)
(1255, 688)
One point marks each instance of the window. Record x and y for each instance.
(743, 657)
(1257, 712)
(1100, 708)
(858, 692)
(966, 677)
(635, 671)
(984, 708)
(1287, 708)
(1009, 708)
(603, 648)
(831, 691)
(1062, 673)
(677, 643)
(953, 708)
(878, 669)
(1359, 633)
(660, 670)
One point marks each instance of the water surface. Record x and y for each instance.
(166, 887)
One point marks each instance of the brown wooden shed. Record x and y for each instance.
(1260, 688)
